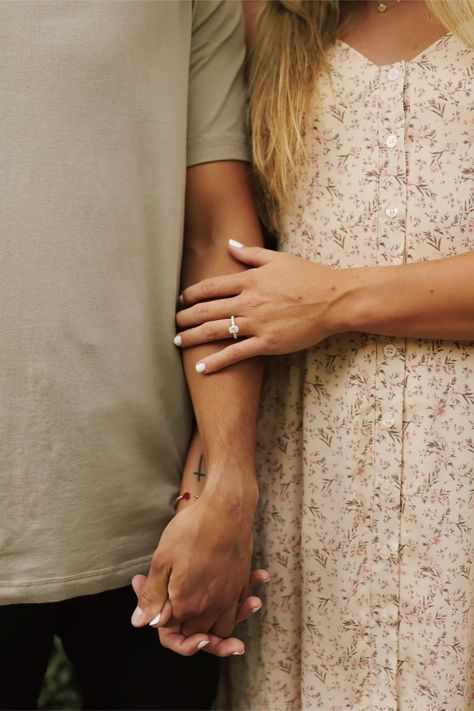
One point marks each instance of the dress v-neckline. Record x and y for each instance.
(424, 52)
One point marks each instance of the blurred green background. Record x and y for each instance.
(60, 689)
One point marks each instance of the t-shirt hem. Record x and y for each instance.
(218, 149)
(54, 589)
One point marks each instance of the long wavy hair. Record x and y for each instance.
(291, 41)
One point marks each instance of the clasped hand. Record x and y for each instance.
(197, 588)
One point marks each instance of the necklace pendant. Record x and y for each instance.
(381, 7)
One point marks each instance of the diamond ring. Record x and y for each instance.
(233, 328)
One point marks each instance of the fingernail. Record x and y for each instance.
(203, 644)
(238, 654)
(266, 580)
(155, 620)
(178, 341)
(234, 243)
(138, 616)
(180, 300)
(200, 367)
(256, 609)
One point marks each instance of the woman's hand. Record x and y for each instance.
(284, 304)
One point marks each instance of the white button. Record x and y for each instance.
(393, 73)
(389, 350)
(391, 211)
(391, 141)
(388, 419)
(386, 487)
(384, 552)
(383, 614)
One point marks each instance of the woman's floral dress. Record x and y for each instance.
(366, 446)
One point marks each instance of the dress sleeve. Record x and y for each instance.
(217, 127)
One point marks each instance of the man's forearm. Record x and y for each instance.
(219, 207)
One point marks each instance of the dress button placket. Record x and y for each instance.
(390, 371)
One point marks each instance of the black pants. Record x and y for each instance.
(117, 666)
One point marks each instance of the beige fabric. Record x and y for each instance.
(366, 454)
(94, 421)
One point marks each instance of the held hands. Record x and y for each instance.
(284, 304)
(199, 576)
(172, 636)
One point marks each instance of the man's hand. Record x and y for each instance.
(173, 638)
(200, 571)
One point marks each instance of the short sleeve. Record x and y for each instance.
(217, 127)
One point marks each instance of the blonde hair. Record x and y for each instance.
(292, 37)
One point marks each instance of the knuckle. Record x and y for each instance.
(189, 609)
(210, 331)
(269, 343)
(164, 639)
(156, 565)
(253, 300)
(147, 598)
(250, 277)
(208, 287)
(235, 353)
(202, 312)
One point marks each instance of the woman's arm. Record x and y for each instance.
(433, 299)
(286, 304)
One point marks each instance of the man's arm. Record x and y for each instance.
(219, 207)
(203, 560)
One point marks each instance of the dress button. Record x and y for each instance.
(389, 350)
(386, 487)
(383, 614)
(391, 211)
(393, 73)
(384, 552)
(391, 141)
(394, 547)
(388, 419)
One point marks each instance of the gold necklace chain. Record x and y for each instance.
(383, 7)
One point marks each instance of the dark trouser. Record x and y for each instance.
(116, 666)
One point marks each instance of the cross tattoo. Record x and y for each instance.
(199, 473)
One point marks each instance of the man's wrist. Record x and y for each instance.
(234, 491)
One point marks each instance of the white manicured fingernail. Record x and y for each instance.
(178, 341)
(155, 620)
(234, 243)
(200, 367)
(180, 300)
(238, 654)
(138, 616)
(203, 644)
(256, 609)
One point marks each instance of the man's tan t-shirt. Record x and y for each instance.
(102, 106)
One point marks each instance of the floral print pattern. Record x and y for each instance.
(366, 445)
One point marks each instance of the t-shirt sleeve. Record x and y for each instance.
(217, 127)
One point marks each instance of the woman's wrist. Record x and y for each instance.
(358, 299)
